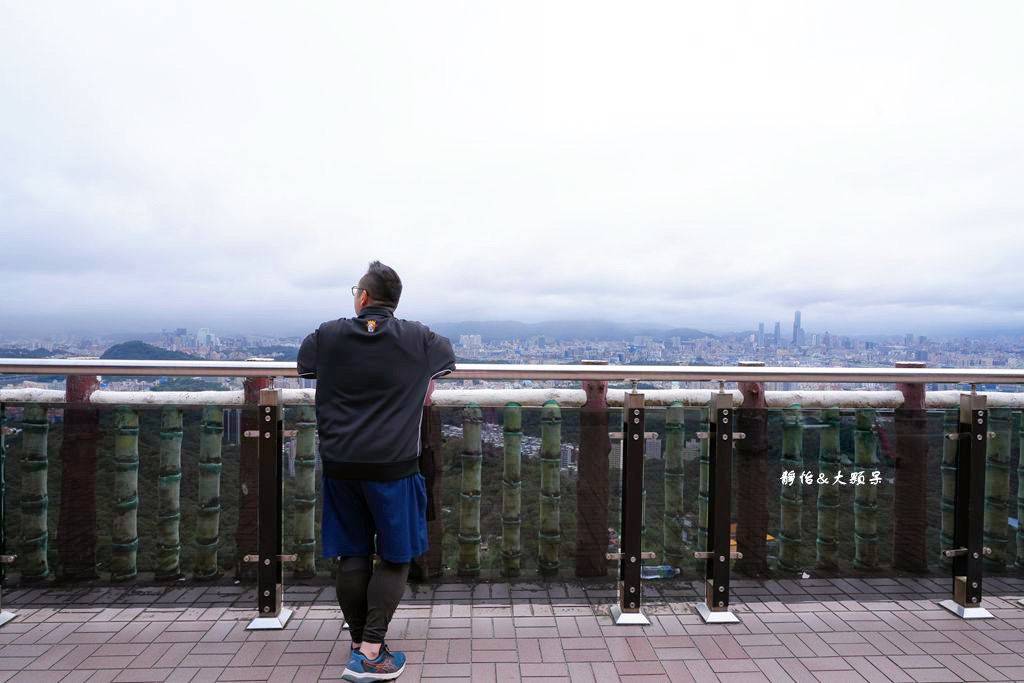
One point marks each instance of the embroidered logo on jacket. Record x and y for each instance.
(371, 326)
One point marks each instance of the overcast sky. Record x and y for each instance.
(711, 165)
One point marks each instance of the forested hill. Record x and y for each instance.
(138, 350)
(27, 353)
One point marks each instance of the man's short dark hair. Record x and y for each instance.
(382, 284)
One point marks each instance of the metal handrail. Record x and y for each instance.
(489, 371)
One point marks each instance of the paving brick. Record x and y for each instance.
(143, 675)
(74, 659)
(720, 666)
(51, 657)
(269, 654)
(914, 661)
(581, 672)
(495, 656)
(246, 673)
(976, 663)
(773, 670)
(534, 670)
(932, 675)
(444, 670)
(459, 651)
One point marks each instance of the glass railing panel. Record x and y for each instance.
(817, 493)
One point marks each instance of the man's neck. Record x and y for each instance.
(376, 309)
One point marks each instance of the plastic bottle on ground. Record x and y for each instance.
(658, 571)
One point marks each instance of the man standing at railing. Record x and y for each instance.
(373, 373)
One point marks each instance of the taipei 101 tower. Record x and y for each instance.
(796, 329)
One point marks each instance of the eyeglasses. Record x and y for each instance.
(356, 289)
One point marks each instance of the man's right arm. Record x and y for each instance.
(307, 356)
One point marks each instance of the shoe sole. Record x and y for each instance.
(367, 677)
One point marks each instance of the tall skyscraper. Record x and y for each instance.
(778, 334)
(796, 328)
(760, 335)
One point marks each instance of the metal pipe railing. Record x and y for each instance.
(527, 398)
(486, 371)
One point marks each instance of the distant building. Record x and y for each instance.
(569, 455)
(760, 334)
(470, 341)
(232, 425)
(778, 334)
(796, 329)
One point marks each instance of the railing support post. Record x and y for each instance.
(910, 512)
(269, 560)
(592, 481)
(968, 551)
(76, 528)
(752, 476)
(628, 612)
(717, 554)
(969, 505)
(5, 559)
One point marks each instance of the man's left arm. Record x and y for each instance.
(307, 355)
(440, 356)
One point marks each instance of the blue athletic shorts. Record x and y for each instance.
(396, 511)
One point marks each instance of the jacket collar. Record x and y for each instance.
(377, 310)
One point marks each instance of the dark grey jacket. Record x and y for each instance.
(372, 377)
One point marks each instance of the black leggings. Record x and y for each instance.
(368, 596)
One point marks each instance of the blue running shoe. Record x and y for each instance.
(388, 665)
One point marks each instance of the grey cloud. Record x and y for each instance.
(553, 161)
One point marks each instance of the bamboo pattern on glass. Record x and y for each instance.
(702, 487)
(790, 524)
(550, 493)
(125, 535)
(34, 500)
(168, 545)
(304, 502)
(865, 498)
(208, 519)
(1020, 496)
(828, 494)
(3, 490)
(674, 512)
(469, 498)
(511, 491)
(997, 489)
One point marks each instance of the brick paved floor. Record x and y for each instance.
(812, 630)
